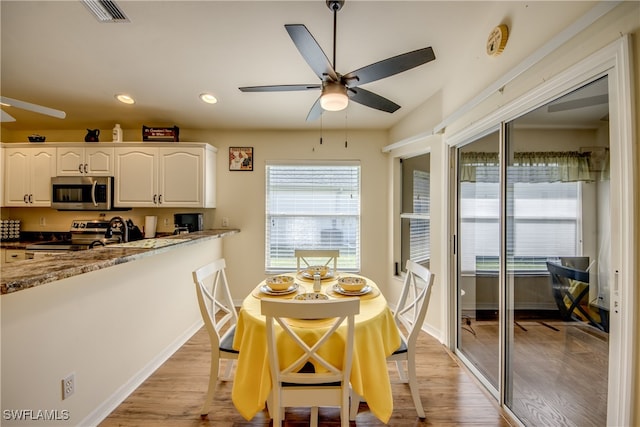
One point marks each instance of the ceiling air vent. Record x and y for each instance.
(106, 10)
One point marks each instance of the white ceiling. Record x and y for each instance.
(55, 53)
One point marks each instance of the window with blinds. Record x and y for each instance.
(415, 216)
(545, 220)
(312, 206)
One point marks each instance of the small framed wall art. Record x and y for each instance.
(240, 158)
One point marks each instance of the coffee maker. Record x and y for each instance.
(187, 223)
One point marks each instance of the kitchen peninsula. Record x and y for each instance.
(109, 316)
(27, 274)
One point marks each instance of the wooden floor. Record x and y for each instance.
(172, 396)
(560, 370)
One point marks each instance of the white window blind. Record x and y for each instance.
(419, 219)
(415, 215)
(543, 220)
(312, 206)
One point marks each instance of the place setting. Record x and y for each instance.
(352, 286)
(309, 273)
(277, 286)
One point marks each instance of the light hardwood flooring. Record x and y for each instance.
(560, 369)
(172, 396)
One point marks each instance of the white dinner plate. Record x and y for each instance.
(265, 289)
(365, 290)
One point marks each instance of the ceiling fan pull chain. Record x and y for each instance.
(346, 129)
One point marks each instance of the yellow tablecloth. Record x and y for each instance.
(376, 337)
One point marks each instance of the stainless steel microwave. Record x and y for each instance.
(82, 193)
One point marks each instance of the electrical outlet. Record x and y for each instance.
(68, 385)
(225, 221)
(43, 221)
(166, 222)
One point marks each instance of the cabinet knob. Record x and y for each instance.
(155, 199)
(86, 169)
(80, 168)
(160, 199)
(30, 198)
(26, 198)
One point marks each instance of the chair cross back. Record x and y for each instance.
(218, 298)
(414, 299)
(410, 313)
(218, 313)
(292, 388)
(331, 256)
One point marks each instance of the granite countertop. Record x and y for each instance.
(17, 276)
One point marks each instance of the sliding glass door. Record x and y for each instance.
(533, 257)
(478, 254)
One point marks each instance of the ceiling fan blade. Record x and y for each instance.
(578, 103)
(311, 51)
(315, 112)
(280, 88)
(388, 67)
(370, 99)
(33, 107)
(6, 117)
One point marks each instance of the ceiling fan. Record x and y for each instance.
(10, 102)
(337, 89)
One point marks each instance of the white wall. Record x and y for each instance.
(112, 328)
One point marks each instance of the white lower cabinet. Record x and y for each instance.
(27, 176)
(165, 177)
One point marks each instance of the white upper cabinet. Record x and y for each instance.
(165, 176)
(27, 176)
(78, 161)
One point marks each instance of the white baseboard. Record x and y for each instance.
(103, 410)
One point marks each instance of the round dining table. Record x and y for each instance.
(376, 337)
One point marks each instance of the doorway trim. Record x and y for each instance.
(613, 60)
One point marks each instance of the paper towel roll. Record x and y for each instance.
(150, 223)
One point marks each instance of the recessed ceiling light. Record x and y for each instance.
(208, 98)
(126, 99)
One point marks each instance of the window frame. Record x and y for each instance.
(289, 265)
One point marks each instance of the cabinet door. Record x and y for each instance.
(99, 161)
(70, 161)
(42, 168)
(136, 170)
(16, 177)
(181, 177)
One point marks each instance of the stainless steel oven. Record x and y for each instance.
(85, 234)
(82, 193)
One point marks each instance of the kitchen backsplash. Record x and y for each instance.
(51, 220)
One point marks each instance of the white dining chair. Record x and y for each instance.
(293, 386)
(308, 257)
(220, 319)
(410, 313)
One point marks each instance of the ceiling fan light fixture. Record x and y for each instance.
(125, 99)
(208, 98)
(334, 97)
